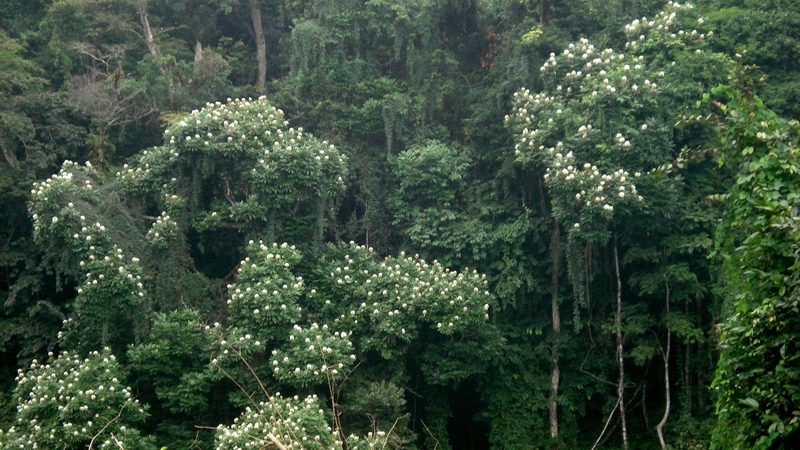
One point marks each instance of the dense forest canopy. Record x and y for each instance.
(343, 224)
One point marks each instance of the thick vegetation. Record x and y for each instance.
(366, 224)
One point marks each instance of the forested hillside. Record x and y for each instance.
(440, 224)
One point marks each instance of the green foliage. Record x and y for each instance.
(517, 405)
(72, 402)
(433, 199)
(377, 406)
(20, 103)
(758, 367)
(766, 34)
(172, 359)
(37, 128)
(18, 74)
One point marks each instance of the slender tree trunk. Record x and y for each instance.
(101, 144)
(146, 30)
(620, 360)
(261, 44)
(660, 427)
(141, 5)
(687, 376)
(11, 158)
(555, 375)
(198, 52)
(544, 12)
(700, 372)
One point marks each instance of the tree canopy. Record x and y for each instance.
(437, 225)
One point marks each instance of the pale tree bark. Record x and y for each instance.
(555, 375)
(147, 32)
(620, 360)
(660, 427)
(261, 44)
(147, 35)
(198, 52)
(11, 158)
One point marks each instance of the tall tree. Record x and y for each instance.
(261, 43)
(596, 109)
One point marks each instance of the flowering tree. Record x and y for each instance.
(315, 330)
(290, 423)
(67, 210)
(249, 173)
(603, 118)
(73, 402)
(237, 165)
(389, 303)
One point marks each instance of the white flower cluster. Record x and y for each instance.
(129, 174)
(66, 402)
(293, 422)
(593, 192)
(234, 344)
(249, 134)
(599, 107)
(109, 274)
(163, 229)
(663, 26)
(266, 291)
(372, 441)
(397, 295)
(541, 116)
(313, 355)
(44, 203)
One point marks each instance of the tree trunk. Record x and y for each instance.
(100, 144)
(141, 5)
(660, 427)
(544, 12)
(644, 406)
(11, 158)
(620, 360)
(147, 31)
(198, 52)
(687, 375)
(700, 373)
(261, 44)
(555, 375)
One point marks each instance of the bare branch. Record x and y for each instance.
(275, 441)
(119, 415)
(602, 380)
(431, 434)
